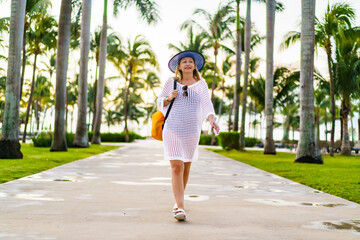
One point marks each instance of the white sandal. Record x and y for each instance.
(180, 214)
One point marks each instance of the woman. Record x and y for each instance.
(181, 132)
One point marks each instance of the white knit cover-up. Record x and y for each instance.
(182, 128)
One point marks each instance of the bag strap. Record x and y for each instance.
(172, 102)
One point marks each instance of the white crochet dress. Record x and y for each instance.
(182, 128)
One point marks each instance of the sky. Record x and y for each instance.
(174, 13)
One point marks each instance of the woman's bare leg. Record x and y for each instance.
(177, 180)
(187, 166)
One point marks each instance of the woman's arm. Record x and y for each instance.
(173, 94)
(213, 124)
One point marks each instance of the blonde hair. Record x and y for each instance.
(179, 76)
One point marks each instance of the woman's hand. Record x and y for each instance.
(213, 124)
(173, 95)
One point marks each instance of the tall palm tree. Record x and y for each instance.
(247, 47)
(307, 150)
(32, 10)
(269, 146)
(81, 136)
(149, 12)
(42, 37)
(347, 72)
(337, 16)
(216, 31)
(139, 54)
(101, 81)
(9, 141)
(63, 47)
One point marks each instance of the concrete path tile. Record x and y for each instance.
(126, 194)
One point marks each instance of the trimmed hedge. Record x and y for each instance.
(44, 139)
(230, 140)
(205, 139)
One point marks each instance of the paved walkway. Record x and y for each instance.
(126, 194)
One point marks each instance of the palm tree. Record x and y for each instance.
(81, 136)
(41, 38)
(347, 71)
(338, 16)
(149, 12)
(32, 10)
(9, 142)
(247, 48)
(63, 47)
(307, 150)
(269, 146)
(139, 54)
(218, 31)
(112, 40)
(101, 81)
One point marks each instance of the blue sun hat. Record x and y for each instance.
(198, 58)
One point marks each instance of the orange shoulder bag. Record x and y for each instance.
(158, 121)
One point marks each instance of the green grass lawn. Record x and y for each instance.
(339, 175)
(38, 159)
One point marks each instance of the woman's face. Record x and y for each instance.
(187, 64)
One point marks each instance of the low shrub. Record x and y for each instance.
(43, 139)
(230, 140)
(250, 142)
(205, 139)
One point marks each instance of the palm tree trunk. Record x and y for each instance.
(230, 127)
(9, 141)
(326, 130)
(352, 129)
(23, 60)
(96, 139)
(63, 46)
(317, 122)
(127, 93)
(307, 150)
(359, 132)
(94, 101)
(222, 98)
(30, 99)
(37, 117)
(213, 92)
(213, 84)
(345, 110)
(286, 126)
(66, 110)
(238, 69)
(246, 71)
(269, 147)
(332, 96)
(44, 117)
(81, 138)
